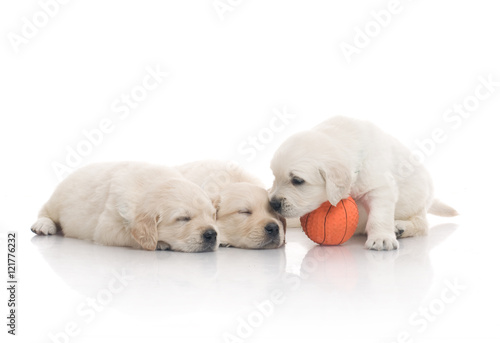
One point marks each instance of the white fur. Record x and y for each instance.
(243, 204)
(130, 204)
(344, 157)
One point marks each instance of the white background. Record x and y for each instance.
(229, 76)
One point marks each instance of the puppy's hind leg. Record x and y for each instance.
(416, 225)
(44, 226)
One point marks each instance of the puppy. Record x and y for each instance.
(344, 157)
(244, 217)
(131, 204)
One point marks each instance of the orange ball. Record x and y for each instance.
(331, 225)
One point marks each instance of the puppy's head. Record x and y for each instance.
(176, 215)
(246, 220)
(308, 171)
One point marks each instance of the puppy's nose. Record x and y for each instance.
(209, 236)
(272, 229)
(275, 204)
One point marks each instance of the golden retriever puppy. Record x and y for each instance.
(131, 204)
(344, 157)
(244, 217)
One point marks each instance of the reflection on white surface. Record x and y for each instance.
(185, 282)
(302, 291)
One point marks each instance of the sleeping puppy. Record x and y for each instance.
(131, 204)
(344, 157)
(244, 217)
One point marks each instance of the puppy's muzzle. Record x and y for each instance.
(272, 230)
(272, 239)
(209, 237)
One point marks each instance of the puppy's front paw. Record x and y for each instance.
(44, 226)
(382, 242)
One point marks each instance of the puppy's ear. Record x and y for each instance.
(338, 181)
(145, 230)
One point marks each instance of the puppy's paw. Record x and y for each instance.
(381, 242)
(399, 228)
(44, 226)
(162, 246)
(404, 228)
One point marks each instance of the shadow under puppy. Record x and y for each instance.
(244, 217)
(131, 204)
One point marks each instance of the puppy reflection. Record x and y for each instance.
(347, 269)
(131, 204)
(245, 218)
(214, 282)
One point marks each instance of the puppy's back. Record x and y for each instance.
(79, 200)
(218, 173)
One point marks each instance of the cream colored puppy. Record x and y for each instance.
(131, 204)
(344, 157)
(244, 217)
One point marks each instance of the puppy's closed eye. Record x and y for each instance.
(183, 219)
(297, 181)
(245, 211)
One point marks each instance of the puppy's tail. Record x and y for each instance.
(439, 208)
